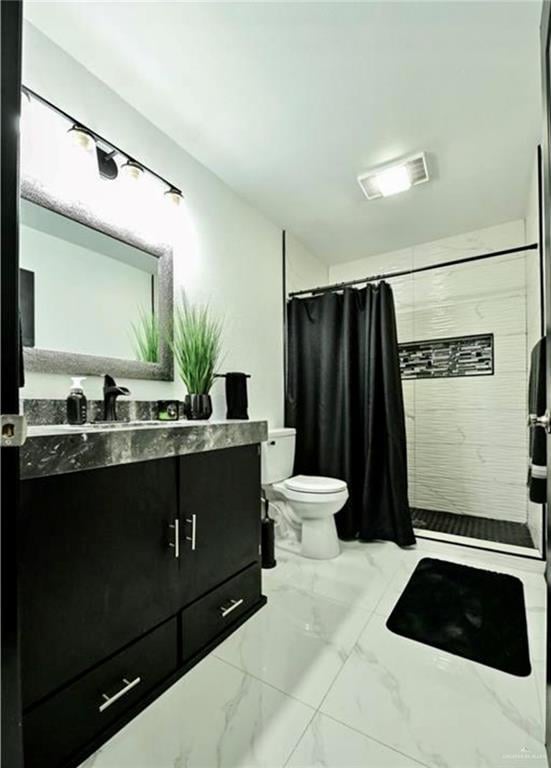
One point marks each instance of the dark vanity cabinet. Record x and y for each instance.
(218, 506)
(96, 570)
(220, 521)
(129, 574)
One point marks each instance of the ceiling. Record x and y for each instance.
(289, 102)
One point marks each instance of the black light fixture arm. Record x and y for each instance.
(112, 147)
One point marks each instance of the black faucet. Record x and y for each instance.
(111, 391)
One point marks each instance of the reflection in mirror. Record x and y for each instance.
(105, 290)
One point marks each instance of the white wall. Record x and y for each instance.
(304, 270)
(533, 317)
(467, 437)
(226, 252)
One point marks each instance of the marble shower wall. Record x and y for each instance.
(467, 437)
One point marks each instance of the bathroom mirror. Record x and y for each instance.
(111, 289)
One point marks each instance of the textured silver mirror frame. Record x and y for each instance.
(52, 361)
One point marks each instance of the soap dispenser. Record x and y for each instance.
(76, 402)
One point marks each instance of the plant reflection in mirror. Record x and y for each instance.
(146, 335)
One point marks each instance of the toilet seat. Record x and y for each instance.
(311, 499)
(315, 485)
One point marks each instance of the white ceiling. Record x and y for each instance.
(288, 102)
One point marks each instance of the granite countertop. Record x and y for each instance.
(58, 449)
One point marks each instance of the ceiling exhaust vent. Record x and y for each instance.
(391, 178)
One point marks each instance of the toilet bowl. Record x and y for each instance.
(311, 501)
(315, 501)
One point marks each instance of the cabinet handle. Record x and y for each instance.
(128, 685)
(193, 521)
(176, 543)
(225, 609)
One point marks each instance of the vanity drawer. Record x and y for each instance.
(70, 719)
(212, 614)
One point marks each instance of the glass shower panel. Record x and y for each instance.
(465, 382)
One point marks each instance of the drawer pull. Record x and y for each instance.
(128, 685)
(176, 543)
(226, 609)
(193, 521)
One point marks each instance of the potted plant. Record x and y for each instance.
(196, 347)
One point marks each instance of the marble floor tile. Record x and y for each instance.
(298, 644)
(517, 698)
(214, 717)
(536, 633)
(540, 674)
(357, 576)
(329, 744)
(315, 679)
(435, 707)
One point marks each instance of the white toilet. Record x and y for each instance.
(308, 503)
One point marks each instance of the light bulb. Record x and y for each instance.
(174, 196)
(82, 138)
(393, 180)
(132, 170)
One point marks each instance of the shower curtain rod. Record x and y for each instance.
(387, 275)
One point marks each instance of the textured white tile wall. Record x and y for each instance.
(467, 437)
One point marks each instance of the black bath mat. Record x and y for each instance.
(473, 613)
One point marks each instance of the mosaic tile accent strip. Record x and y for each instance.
(446, 358)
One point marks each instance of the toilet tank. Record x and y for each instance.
(278, 455)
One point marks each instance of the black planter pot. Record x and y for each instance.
(198, 407)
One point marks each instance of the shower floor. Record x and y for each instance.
(501, 531)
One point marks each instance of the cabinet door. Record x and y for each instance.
(219, 493)
(96, 569)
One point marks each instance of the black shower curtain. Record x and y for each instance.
(344, 397)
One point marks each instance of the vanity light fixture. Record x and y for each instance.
(391, 178)
(82, 137)
(174, 195)
(132, 170)
(106, 152)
